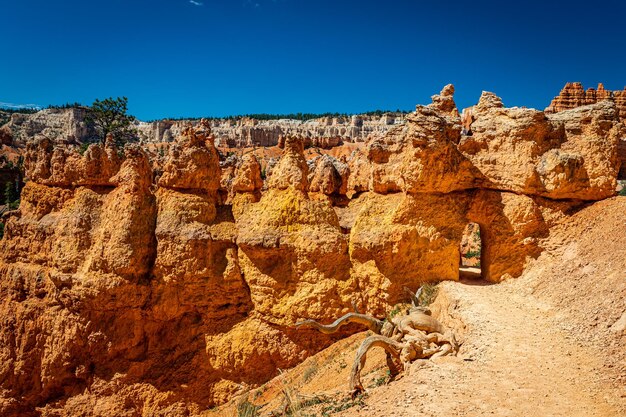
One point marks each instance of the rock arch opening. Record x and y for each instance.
(470, 249)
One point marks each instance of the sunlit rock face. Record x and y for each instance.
(130, 282)
(574, 95)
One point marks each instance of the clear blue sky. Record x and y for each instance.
(218, 57)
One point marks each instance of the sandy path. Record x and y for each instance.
(516, 362)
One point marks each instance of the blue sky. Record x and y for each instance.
(217, 57)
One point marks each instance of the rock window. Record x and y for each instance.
(471, 251)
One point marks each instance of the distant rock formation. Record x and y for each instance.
(67, 126)
(325, 132)
(574, 95)
(60, 125)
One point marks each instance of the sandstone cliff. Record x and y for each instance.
(130, 286)
(59, 125)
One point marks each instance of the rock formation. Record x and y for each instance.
(329, 176)
(571, 154)
(574, 95)
(471, 246)
(246, 184)
(168, 285)
(67, 126)
(325, 132)
(59, 125)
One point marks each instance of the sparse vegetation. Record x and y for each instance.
(12, 195)
(246, 409)
(83, 148)
(292, 116)
(383, 112)
(74, 105)
(429, 292)
(292, 405)
(7, 164)
(397, 309)
(310, 371)
(22, 110)
(337, 406)
(380, 381)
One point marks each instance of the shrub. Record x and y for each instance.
(247, 409)
(429, 292)
(310, 372)
(83, 148)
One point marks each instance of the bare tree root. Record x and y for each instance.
(405, 338)
(371, 323)
(443, 351)
(419, 321)
(393, 350)
(414, 297)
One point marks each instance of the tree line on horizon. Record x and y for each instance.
(258, 116)
(293, 116)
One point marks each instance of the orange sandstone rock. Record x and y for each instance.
(574, 95)
(192, 162)
(326, 179)
(525, 151)
(292, 169)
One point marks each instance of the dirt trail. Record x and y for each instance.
(516, 362)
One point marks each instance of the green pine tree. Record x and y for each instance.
(109, 116)
(10, 193)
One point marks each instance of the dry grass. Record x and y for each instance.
(246, 409)
(429, 292)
